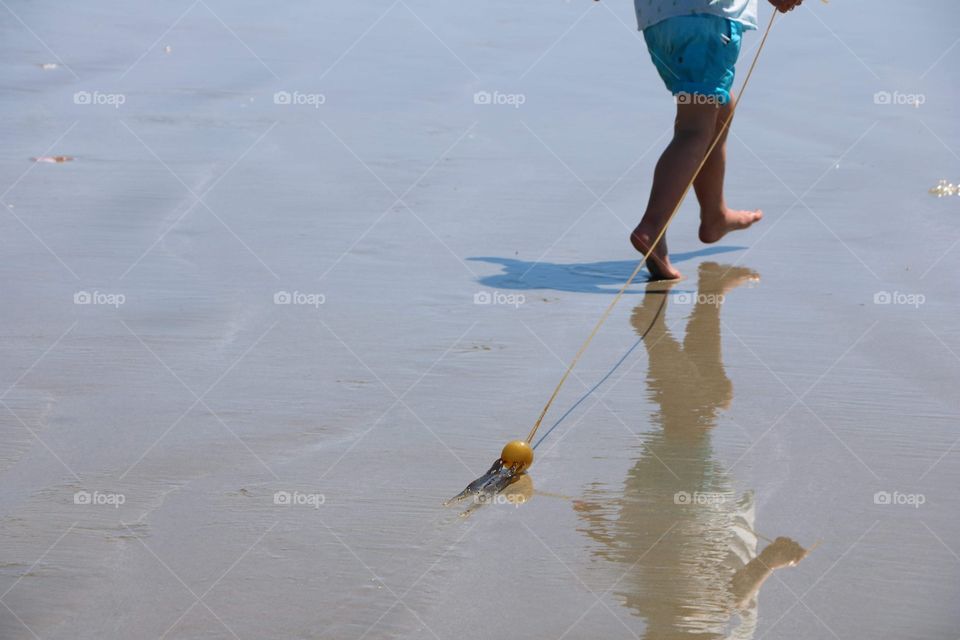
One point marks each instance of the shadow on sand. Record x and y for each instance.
(584, 277)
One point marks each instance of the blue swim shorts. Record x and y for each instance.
(696, 54)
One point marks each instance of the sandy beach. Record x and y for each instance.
(287, 276)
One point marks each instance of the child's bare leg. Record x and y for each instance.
(693, 132)
(715, 218)
(709, 183)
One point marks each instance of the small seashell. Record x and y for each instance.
(53, 159)
(945, 188)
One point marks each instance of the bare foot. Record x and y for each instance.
(658, 264)
(715, 226)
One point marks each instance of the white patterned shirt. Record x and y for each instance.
(650, 12)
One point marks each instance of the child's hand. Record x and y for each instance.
(785, 5)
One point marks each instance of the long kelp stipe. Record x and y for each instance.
(484, 489)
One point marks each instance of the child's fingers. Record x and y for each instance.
(785, 5)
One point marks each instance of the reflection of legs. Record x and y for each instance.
(671, 378)
(702, 341)
(649, 318)
(701, 344)
(715, 218)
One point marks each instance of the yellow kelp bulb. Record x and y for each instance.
(517, 455)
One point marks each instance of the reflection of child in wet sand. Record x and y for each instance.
(694, 45)
(687, 538)
(688, 380)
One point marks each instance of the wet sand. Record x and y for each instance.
(325, 285)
